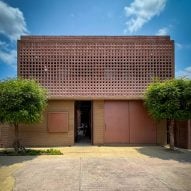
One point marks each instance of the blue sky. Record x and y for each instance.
(95, 17)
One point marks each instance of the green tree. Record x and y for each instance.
(22, 101)
(170, 100)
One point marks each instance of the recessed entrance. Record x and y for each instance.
(83, 122)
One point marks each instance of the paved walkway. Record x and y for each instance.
(89, 168)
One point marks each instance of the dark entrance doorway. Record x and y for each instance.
(83, 122)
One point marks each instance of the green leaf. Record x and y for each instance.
(21, 101)
(170, 99)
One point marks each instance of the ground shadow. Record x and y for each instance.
(10, 160)
(181, 155)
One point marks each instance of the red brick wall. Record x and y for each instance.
(79, 67)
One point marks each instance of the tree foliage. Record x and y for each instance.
(21, 101)
(169, 100)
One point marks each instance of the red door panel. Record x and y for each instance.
(142, 126)
(116, 114)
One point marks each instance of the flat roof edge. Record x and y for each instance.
(96, 98)
(49, 37)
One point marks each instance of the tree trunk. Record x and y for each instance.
(16, 144)
(16, 132)
(171, 133)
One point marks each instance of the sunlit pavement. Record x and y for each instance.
(96, 168)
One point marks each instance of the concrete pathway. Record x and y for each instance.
(99, 169)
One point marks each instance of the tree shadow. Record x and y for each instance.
(10, 160)
(180, 155)
(8, 156)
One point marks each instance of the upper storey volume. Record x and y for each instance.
(96, 67)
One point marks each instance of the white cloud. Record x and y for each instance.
(188, 69)
(12, 26)
(182, 46)
(140, 12)
(7, 54)
(3, 44)
(9, 58)
(185, 73)
(178, 45)
(163, 31)
(12, 22)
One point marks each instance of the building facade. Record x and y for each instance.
(96, 86)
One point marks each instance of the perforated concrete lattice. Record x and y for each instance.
(116, 67)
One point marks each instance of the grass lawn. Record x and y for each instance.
(30, 152)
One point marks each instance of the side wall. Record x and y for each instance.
(189, 134)
(38, 135)
(161, 132)
(183, 134)
(6, 135)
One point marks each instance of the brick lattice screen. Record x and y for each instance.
(95, 67)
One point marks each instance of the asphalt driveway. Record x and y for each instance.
(84, 168)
